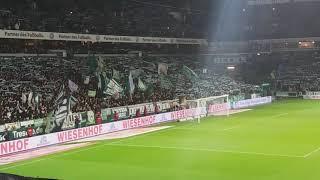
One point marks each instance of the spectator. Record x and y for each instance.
(98, 118)
(116, 116)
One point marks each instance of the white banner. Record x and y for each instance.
(15, 34)
(311, 97)
(313, 93)
(251, 102)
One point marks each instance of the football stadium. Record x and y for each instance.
(159, 89)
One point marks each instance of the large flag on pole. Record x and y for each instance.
(131, 84)
(189, 73)
(73, 86)
(86, 80)
(24, 98)
(165, 82)
(113, 88)
(115, 74)
(141, 85)
(59, 96)
(92, 63)
(30, 96)
(162, 68)
(61, 112)
(273, 74)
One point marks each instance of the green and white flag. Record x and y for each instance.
(102, 80)
(92, 93)
(273, 74)
(165, 82)
(141, 85)
(92, 63)
(131, 84)
(162, 69)
(189, 73)
(86, 80)
(115, 74)
(113, 88)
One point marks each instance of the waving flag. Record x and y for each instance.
(141, 85)
(113, 88)
(73, 86)
(131, 84)
(162, 69)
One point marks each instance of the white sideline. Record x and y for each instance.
(227, 129)
(177, 127)
(312, 152)
(208, 150)
(83, 149)
(278, 115)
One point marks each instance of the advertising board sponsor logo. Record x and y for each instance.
(218, 107)
(113, 127)
(138, 122)
(80, 133)
(14, 146)
(186, 113)
(163, 118)
(43, 141)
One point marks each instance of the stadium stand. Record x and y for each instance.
(45, 75)
(130, 18)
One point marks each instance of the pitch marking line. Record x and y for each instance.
(227, 129)
(312, 152)
(81, 150)
(278, 115)
(209, 150)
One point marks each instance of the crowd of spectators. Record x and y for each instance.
(300, 78)
(136, 18)
(44, 77)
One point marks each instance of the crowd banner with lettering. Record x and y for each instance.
(16, 34)
(126, 112)
(133, 109)
(312, 95)
(122, 112)
(251, 102)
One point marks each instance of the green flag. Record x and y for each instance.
(149, 90)
(189, 73)
(92, 93)
(165, 82)
(131, 84)
(92, 63)
(141, 85)
(116, 74)
(113, 88)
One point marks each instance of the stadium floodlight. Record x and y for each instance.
(231, 68)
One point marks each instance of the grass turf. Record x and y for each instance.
(277, 141)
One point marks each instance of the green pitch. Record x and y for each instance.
(273, 142)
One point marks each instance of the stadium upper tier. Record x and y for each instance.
(130, 18)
